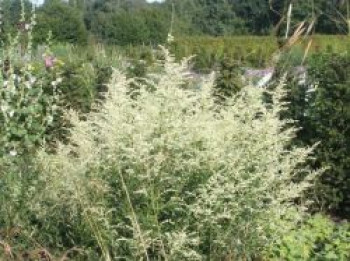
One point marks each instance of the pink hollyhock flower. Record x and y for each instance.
(49, 61)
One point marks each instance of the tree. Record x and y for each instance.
(229, 81)
(129, 23)
(65, 22)
(329, 15)
(254, 13)
(217, 18)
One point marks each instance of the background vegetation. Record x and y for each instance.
(112, 148)
(126, 22)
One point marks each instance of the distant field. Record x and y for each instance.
(251, 50)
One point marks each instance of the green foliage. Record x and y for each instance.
(63, 21)
(229, 80)
(321, 107)
(37, 85)
(84, 74)
(126, 22)
(318, 238)
(11, 14)
(33, 96)
(328, 17)
(232, 17)
(218, 19)
(28, 96)
(328, 121)
(165, 174)
(78, 86)
(211, 51)
(27, 104)
(260, 10)
(124, 26)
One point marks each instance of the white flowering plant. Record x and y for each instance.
(169, 176)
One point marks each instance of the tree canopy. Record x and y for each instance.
(137, 21)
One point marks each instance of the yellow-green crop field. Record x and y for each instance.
(252, 50)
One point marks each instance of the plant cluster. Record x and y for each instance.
(319, 238)
(250, 51)
(28, 94)
(143, 162)
(64, 22)
(165, 175)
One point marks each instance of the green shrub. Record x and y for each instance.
(327, 121)
(28, 95)
(321, 107)
(130, 27)
(211, 51)
(318, 238)
(229, 80)
(84, 74)
(78, 86)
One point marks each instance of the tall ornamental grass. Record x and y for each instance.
(167, 174)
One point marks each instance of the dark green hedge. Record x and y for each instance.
(321, 108)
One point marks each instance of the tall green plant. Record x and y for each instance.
(229, 80)
(28, 107)
(65, 22)
(28, 93)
